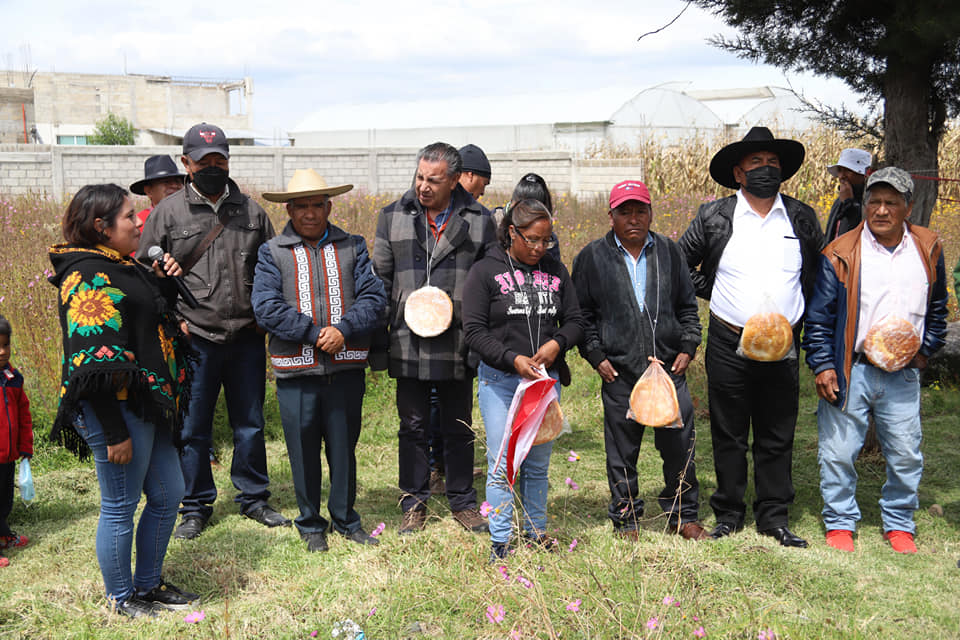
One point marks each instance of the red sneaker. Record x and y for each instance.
(840, 539)
(10, 542)
(901, 541)
(4, 561)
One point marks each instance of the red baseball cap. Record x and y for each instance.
(629, 190)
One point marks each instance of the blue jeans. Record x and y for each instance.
(240, 368)
(495, 393)
(894, 400)
(153, 471)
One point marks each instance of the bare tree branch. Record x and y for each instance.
(677, 17)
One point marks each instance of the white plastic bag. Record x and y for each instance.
(653, 400)
(891, 343)
(25, 480)
(767, 336)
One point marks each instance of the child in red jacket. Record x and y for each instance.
(16, 437)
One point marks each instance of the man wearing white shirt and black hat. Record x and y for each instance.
(743, 249)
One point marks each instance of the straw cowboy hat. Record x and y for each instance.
(790, 152)
(303, 184)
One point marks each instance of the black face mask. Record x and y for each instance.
(763, 182)
(210, 180)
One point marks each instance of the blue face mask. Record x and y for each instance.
(763, 182)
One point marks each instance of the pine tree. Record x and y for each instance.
(903, 58)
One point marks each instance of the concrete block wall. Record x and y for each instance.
(59, 171)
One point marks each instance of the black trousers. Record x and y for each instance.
(456, 411)
(681, 493)
(6, 496)
(319, 411)
(744, 392)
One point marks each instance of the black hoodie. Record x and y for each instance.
(495, 304)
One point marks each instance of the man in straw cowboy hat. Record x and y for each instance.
(316, 294)
(743, 250)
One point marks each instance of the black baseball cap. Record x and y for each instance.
(202, 139)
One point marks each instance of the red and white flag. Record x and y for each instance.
(530, 402)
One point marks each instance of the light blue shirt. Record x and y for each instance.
(637, 268)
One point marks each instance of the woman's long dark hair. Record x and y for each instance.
(92, 201)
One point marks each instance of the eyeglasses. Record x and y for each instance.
(548, 243)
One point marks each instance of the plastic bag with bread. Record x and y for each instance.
(891, 343)
(767, 335)
(653, 401)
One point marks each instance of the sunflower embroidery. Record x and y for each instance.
(166, 345)
(69, 283)
(93, 307)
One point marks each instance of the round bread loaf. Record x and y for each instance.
(766, 337)
(891, 343)
(428, 311)
(552, 424)
(653, 401)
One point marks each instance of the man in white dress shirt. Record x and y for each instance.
(743, 250)
(884, 267)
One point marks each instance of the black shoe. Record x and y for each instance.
(316, 541)
(545, 543)
(134, 607)
(268, 517)
(361, 537)
(724, 529)
(785, 537)
(190, 527)
(167, 596)
(499, 551)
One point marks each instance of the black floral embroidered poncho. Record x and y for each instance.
(121, 341)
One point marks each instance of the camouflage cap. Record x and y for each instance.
(895, 177)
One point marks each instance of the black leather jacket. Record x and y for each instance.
(705, 239)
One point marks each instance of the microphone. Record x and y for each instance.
(156, 253)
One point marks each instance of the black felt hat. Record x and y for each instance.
(153, 168)
(790, 152)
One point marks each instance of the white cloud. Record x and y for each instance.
(306, 55)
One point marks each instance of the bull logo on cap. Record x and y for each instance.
(207, 136)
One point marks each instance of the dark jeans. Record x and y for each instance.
(680, 496)
(435, 434)
(6, 496)
(240, 368)
(765, 394)
(318, 410)
(456, 409)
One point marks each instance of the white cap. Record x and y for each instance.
(857, 160)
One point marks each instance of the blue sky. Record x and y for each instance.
(304, 56)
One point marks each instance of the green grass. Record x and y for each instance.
(262, 583)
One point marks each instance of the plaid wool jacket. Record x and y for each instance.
(400, 254)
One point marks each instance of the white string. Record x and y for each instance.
(430, 251)
(529, 306)
(655, 319)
